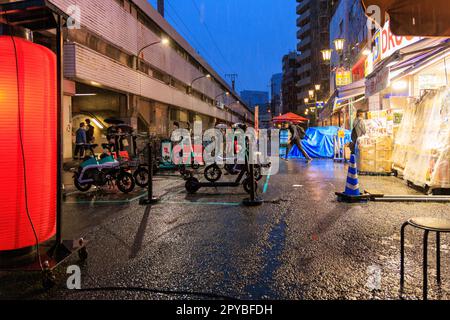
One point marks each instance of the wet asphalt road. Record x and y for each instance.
(301, 244)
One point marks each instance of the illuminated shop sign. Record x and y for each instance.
(343, 77)
(385, 43)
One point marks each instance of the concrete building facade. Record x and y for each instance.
(105, 78)
(313, 24)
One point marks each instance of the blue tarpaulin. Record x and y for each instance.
(319, 143)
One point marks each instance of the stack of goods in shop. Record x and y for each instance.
(403, 140)
(375, 154)
(376, 147)
(427, 151)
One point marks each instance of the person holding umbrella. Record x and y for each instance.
(297, 135)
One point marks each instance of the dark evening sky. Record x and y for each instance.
(247, 37)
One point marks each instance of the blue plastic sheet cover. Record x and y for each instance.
(319, 143)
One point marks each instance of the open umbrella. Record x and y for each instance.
(289, 117)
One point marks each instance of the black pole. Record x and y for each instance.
(150, 198)
(253, 201)
(252, 185)
(59, 133)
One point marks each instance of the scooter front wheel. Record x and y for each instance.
(80, 186)
(125, 182)
(213, 173)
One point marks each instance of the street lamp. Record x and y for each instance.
(226, 93)
(223, 93)
(317, 87)
(326, 55)
(208, 76)
(306, 100)
(164, 41)
(339, 44)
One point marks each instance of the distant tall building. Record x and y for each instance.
(289, 96)
(255, 98)
(261, 99)
(313, 35)
(275, 93)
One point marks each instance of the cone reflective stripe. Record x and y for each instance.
(352, 186)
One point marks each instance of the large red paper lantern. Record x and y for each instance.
(28, 149)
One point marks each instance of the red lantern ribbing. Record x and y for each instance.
(28, 160)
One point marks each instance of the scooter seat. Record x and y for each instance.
(107, 159)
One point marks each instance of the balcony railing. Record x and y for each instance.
(304, 44)
(302, 5)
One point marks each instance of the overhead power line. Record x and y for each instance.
(211, 36)
(190, 36)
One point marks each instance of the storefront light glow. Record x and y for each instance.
(85, 94)
(28, 116)
(400, 85)
(97, 123)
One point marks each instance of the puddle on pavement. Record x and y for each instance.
(263, 288)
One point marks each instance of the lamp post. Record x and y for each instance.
(313, 97)
(189, 90)
(339, 45)
(226, 93)
(164, 41)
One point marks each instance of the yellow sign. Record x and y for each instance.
(343, 78)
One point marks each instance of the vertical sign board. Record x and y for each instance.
(257, 119)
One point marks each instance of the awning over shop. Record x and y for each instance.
(412, 18)
(327, 111)
(289, 117)
(419, 59)
(402, 61)
(352, 90)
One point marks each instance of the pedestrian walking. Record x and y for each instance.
(80, 142)
(89, 132)
(359, 130)
(297, 135)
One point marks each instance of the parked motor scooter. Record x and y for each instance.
(101, 172)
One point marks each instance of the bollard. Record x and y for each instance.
(253, 201)
(150, 198)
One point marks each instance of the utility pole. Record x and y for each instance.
(233, 77)
(161, 7)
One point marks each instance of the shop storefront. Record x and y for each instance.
(408, 129)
